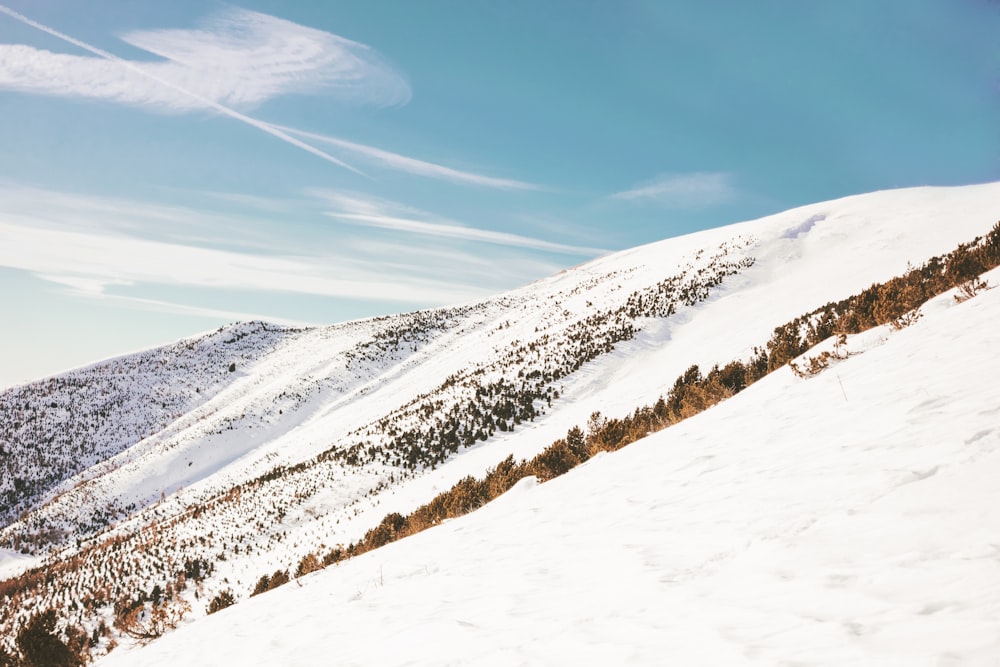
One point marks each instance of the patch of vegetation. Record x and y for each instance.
(221, 601)
(694, 392)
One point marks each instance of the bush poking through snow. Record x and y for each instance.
(906, 319)
(818, 363)
(221, 601)
(970, 288)
(266, 583)
(39, 644)
(882, 303)
(145, 621)
(309, 563)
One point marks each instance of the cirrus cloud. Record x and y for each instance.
(686, 191)
(363, 211)
(237, 57)
(101, 247)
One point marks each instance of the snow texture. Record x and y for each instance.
(846, 519)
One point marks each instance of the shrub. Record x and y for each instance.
(390, 529)
(40, 646)
(221, 601)
(145, 622)
(970, 288)
(309, 563)
(555, 460)
(262, 585)
(267, 583)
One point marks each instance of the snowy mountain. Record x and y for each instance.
(835, 518)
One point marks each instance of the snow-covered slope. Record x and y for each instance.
(849, 518)
(318, 433)
(53, 429)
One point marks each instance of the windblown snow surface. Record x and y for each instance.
(851, 518)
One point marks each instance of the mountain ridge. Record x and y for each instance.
(679, 333)
(800, 520)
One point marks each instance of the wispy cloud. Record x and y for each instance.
(686, 191)
(366, 212)
(241, 58)
(92, 262)
(412, 165)
(187, 310)
(237, 58)
(90, 245)
(159, 256)
(41, 207)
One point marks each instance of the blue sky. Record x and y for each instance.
(166, 168)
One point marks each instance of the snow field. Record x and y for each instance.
(786, 525)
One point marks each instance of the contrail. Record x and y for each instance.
(224, 110)
(413, 165)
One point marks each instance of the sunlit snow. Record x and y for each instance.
(848, 518)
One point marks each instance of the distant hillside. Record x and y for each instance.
(55, 428)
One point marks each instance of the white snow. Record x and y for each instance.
(851, 518)
(13, 563)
